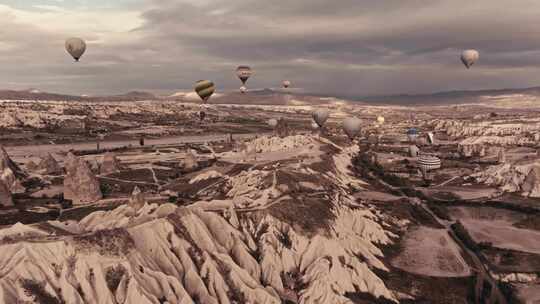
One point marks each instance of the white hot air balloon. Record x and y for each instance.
(320, 116)
(380, 120)
(314, 125)
(243, 89)
(272, 122)
(469, 57)
(75, 47)
(286, 84)
(352, 127)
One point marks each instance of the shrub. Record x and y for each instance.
(113, 277)
(37, 291)
(173, 199)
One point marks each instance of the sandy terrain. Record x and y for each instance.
(431, 252)
(501, 234)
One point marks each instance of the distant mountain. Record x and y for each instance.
(279, 96)
(35, 94)
(449, 97)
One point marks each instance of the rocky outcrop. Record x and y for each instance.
(6, 199)
(6, 162)
(190, 162)
(523, 179)
(501, 157)
(137, 199)
(109, 164)
(10, 173)
(282, 128)
(80, 184)
(531, 184)
(31, 166)
(271, 144)
(495, 128)
(49, 166)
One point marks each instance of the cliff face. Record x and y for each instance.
(513, 178)
(289, 231)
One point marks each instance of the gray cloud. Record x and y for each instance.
(348, 47)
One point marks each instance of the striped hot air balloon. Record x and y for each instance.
(428, 162)
(244, 72)
(205, 89)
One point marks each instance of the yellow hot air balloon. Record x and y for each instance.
(205, 89)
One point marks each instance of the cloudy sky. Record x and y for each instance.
(332, 47)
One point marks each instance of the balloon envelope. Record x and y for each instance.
(244, 72)
(205, 89)
(380, 120)
(314, 125)
(286, 83)
(75, 47)
(431, 138)
(352, 126)
(412, 134)
(272, 122)
(320, 116)
(469, 57)
(428, 162)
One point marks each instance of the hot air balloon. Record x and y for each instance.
(286, 84)
(243, 72)
(205, 89)
(75, 47)
(243, 89)
(412, 134)
(380, 120)
(314, 125)
(320, 116)
(469, 57)
(430, 138)
(352, 126)
(428, 163)
(413, 151)
(272, 122)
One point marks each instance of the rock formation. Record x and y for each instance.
(80, 184)
(31, 166)
(6, 162)
(109, 164)
(49, 166)
(501, 158)
(531, 185)
(10, 173)
(137, 200)
(190, 162)
(5, 195)
(282, 129)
